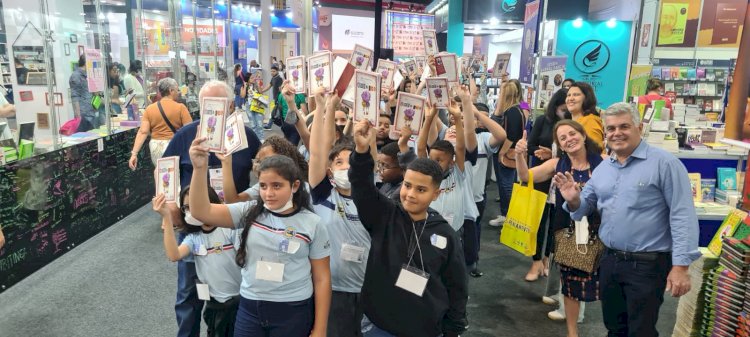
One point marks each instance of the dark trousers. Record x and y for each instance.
(187, 307)
(345, 317)
(274, 319)
(505, 178)
(290, 133)
(471, 245)
(632, 292)
(543, 236)
(220, 317)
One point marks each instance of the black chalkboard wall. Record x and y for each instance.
(51, 203)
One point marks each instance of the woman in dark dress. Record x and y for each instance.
(579, 155)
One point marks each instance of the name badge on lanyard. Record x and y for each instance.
(203, 293)
(412, 280)
(269, 271)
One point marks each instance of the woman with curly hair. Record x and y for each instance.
(271, 146)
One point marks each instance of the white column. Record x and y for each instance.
(306, 31)
(264, 41)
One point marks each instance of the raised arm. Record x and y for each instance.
(460, 148)
(429, 116)
(497, 131)
(470, 132)
(200, 207)
(319, 148)
(373, 207)
(173, 251)
(542, 172)
(227, 181)
(288, 92)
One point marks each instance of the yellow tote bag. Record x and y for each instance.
(522, 221)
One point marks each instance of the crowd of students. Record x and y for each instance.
(364, 231)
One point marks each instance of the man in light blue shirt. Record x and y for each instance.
(649, 225)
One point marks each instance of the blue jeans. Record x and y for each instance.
(505, 178)
(256, 122)
(274, 319)
(187, 307)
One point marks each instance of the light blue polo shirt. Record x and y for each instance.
(263, 242)
(217, 268)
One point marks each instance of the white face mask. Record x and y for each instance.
(341, 179)
(191, 220)
(289, 204)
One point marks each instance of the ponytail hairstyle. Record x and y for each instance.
(287, 169)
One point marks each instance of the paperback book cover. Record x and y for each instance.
(410, 66)
(446, 65)
(694, 136)
(361, 57)
(421, 62)
(235, 138)
(708, 190)
(409, 112)
(710, 75)
(727, 178)
(296, 69)
(656, 72)
(343, 73)
(691, 74)
(501, 65)
(319, 74)
(695, 186)
(727, 228)
(429, 39)
(720, 74)
(669, 86)
(666, 74)
(674, 73)
(366, 96)
(168, 177)
(387, 70)
(214, 112)
(701, 73)
(683, 73)
(437, 89)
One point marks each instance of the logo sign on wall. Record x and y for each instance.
(508, 6)
(591, 57)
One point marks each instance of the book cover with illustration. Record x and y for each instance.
(695, 186)
(727, 228)
(213, 118)
(708, 190)
(168, 178)
(726, 178)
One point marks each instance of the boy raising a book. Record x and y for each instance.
(416, 283)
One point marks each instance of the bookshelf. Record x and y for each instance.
(694, 82)
(6, 79)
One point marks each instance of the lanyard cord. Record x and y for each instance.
(416, 247)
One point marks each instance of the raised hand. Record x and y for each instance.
(463, 93)
(429, 110)
(567, 186)
(362, 134)
(199, 153)
(159, 205)
(522, 145)
(543, 153)
(455, 109)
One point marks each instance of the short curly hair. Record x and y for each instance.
(283, 147)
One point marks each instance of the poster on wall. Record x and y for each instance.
(721, 23)
(597, 54)
(296, 73)
(402, 32)
(94, 70)
(241, 49)
(530, 23)
(639, 75)
(551, 76)
(678, 23)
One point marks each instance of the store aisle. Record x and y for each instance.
(119, 283)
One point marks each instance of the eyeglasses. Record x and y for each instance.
(382, 167)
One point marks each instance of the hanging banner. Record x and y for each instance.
(94, 70)
(551, 77)
(721, 23)
(639, 75)
(241, 49)
(597, 54)
(530, 24)
(678, 23)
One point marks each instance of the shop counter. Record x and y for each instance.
(52, 202)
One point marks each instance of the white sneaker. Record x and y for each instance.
(556, 315)
(497, 222)
(548, 300)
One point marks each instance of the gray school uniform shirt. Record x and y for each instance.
(217, 268)
(263, 244)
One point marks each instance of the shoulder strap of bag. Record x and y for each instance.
(163, 115)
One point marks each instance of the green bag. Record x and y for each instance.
(96, 101)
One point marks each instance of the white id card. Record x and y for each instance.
(412, 280)
(269, 271)
(439, 241)
(352, 253)
(289, 246)
(200, 250)
(203, 293)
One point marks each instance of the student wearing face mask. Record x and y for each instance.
(214, 252)
(283, 250)
(350, 242)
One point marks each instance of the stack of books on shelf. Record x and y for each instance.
(691, 306)
(724, 299)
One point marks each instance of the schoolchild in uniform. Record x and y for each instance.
(350, 242)
(283, 250)
(392, 160)
(416, 282)
(214, 253)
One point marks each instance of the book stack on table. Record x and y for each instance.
(691, 306)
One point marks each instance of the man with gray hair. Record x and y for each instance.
(187, 305)
(648, 224)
